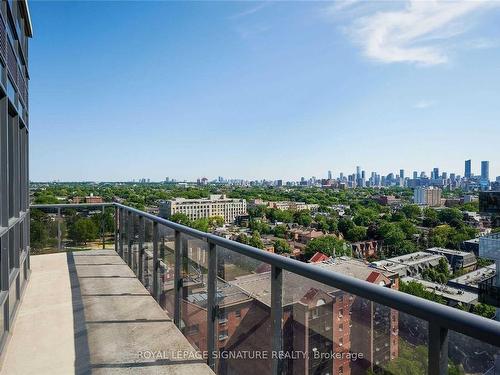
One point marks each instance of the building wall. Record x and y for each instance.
(430, 196)
(229, 209)
(14, 181)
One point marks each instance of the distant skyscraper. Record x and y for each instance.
(402, 173)
(435, 174)
(329, 175)
(358, 172)
(415, 175)
(468, 169)
(485, 170)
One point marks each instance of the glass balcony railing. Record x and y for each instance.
(71, 228)
(247, 310)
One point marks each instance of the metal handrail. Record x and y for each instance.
(441, 318)
(457, 320)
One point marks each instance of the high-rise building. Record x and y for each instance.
(402, 174)
(329, 175)
(435, 173)
(485, 170)
(415, 175)
(427, 196)
(468, 169)
(15, 29)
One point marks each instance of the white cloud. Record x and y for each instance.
(423, 104)
(250, 11)
(415, 32)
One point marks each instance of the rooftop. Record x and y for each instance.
(258, 285)
(475, 277)
(408, 260)
(445, 291)
(442, 250)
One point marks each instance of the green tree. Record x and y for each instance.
(302, 217)
(484, 310)
(242, 238)
(256, 241)
(38, 234)
(216, 221)
(281, 246)
(430, 217)
(356, 233)
(412, 212)
(280, 231)
(451, 216)
(201, 224)
(329, 245)
(82, 231)
(107, 217)
(181, 219)
(416, 289)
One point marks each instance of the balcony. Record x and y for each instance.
(149, 294)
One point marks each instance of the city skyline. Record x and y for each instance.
(328, 174)
(259, 90)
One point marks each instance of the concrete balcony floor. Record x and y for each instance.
(86, 313)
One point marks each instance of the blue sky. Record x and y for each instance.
(123, 90)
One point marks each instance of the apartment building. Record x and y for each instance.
(15, 29)
(471, 281)
(457, 259)
(410, 264)
(91, 199)
(453, 296)
(304, 236)
(215, 205)
(315, 318)
(365, 249)
(285, 205)
(427, 196)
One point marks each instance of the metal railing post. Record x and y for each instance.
(121, 231)
(277, 318)
(155, 261)
(438, 349)
(130, 232)
(116, 229)
(102, 229)
(177, 279)
(211, 304)
(59, 241)
(141, 249)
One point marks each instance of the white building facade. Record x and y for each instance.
(215, 205)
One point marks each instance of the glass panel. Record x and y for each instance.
(43, 231)
(470, 356)
(80, 229)
(107, 222)
(329, 331)
(147, 262)
(134, 243)
(194, 291)
(2, 319)
(166, 257)
(125, 232)
(244, 318)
